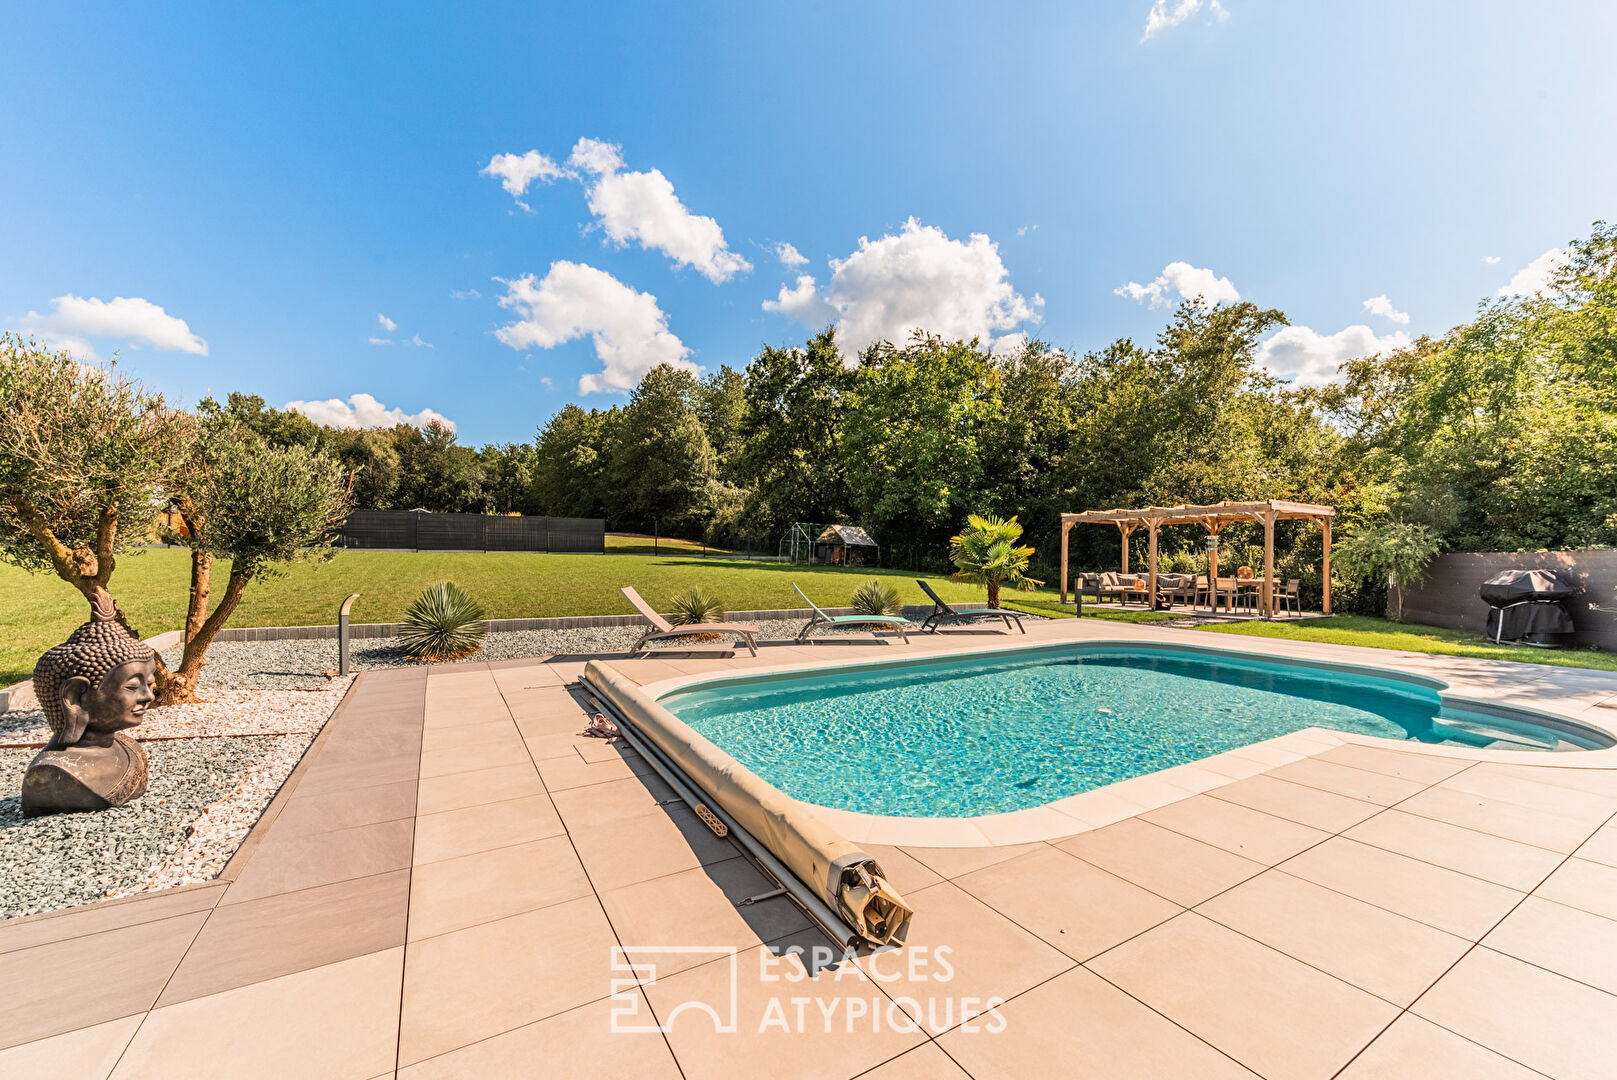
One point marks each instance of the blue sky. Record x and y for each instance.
(276, 178)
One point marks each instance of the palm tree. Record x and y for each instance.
(986, 554)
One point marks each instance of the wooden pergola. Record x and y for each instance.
(1213, 518)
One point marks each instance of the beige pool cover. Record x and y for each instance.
(848, 879)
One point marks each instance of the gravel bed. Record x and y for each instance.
(224, 712)
(65, 859)
(302, 664)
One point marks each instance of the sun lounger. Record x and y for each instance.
(891, 622)
(943, 612)
(663, 630)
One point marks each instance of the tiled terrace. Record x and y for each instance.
(438, 890)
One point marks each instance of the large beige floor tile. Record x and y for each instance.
(484, 827)
(1545, 1021)
(1167, 863)
(698, 907)
(1343, 780)
(473, 757)
(1297, 802)
(456, 893)
(577, 1043)
(1492, 858)
(903, 871)
(1568, 941)
(952, 862)
(664, 840)
(86, 1054)
(1080, 1024)
(923, 1063)
(457, 790)
(963, 949)
(1602, 846)
(787, 1024)
(1274, 1014)
(1450, 901)
(1416, 1048)
(1583, 884)
(1392, 957)
(338, 1022)
(613, 803)
(1594, 781)
(1073, 905)
(1422, 768)
(465, 986)
(1500, 818)
(1238, 829)
(1501, 782)
(283, 865)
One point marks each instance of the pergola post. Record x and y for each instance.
(1268, 590)
(1066, 527)
(1325, 523)
(1151, 556)
(1212, 569)
(1127, 529)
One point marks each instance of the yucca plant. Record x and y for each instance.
(876, 597)
(444, 623)
(696, 606)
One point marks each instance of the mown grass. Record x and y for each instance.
(37, 611)
(1385, 634)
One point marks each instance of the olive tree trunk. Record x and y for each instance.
(201, 627)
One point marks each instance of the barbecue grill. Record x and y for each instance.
(1529, 606)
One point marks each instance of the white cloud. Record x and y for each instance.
(642, 206)
(1491, 260)
(1306, 357)
(380, 341)
(464, 294)
(74, 320)
(802, 303)
(629, 331)
(1023, 230)
(386, 323)
(1188, 282)
(364, 411)
(544, 381)
(1534, 278)
(516, 172)
(1167, 14)
(1380, 305)
(418, 343)
(1010, 343)
(789, 256)
(917, 280)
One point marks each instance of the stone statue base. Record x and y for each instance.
(84, 778)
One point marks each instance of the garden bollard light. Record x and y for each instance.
(342, 634)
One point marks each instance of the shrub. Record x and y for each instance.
(444, 623)
(876, 597)
(696, 606)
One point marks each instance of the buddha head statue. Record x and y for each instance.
(97, 682)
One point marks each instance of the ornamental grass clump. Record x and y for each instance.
(696, 606)
(444, 623)
(875, 597)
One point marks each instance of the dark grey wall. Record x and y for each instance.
(1448, 596)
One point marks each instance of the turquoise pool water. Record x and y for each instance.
(986, 735)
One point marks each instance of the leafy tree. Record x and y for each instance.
(793, 464)
(82, 454)
(661, 463)
(721, 404)
(249, 501)
(1396, 552)
(986, 552)
(569, 476)
(435, 473)
(913, 439)
(508, 478)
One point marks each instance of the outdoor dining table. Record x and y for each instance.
(1256, 583)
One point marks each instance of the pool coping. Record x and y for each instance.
(1113, 802)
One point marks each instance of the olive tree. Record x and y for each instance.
(83, 451)
(253, 503)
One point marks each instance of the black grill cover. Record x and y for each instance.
(1515, 586)
(1540, 621)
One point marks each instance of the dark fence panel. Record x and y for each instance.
(1448, 595)
(401, 529)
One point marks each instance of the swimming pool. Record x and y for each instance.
(960, 737)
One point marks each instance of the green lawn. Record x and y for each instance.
(36, 612)
(1386, 634)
